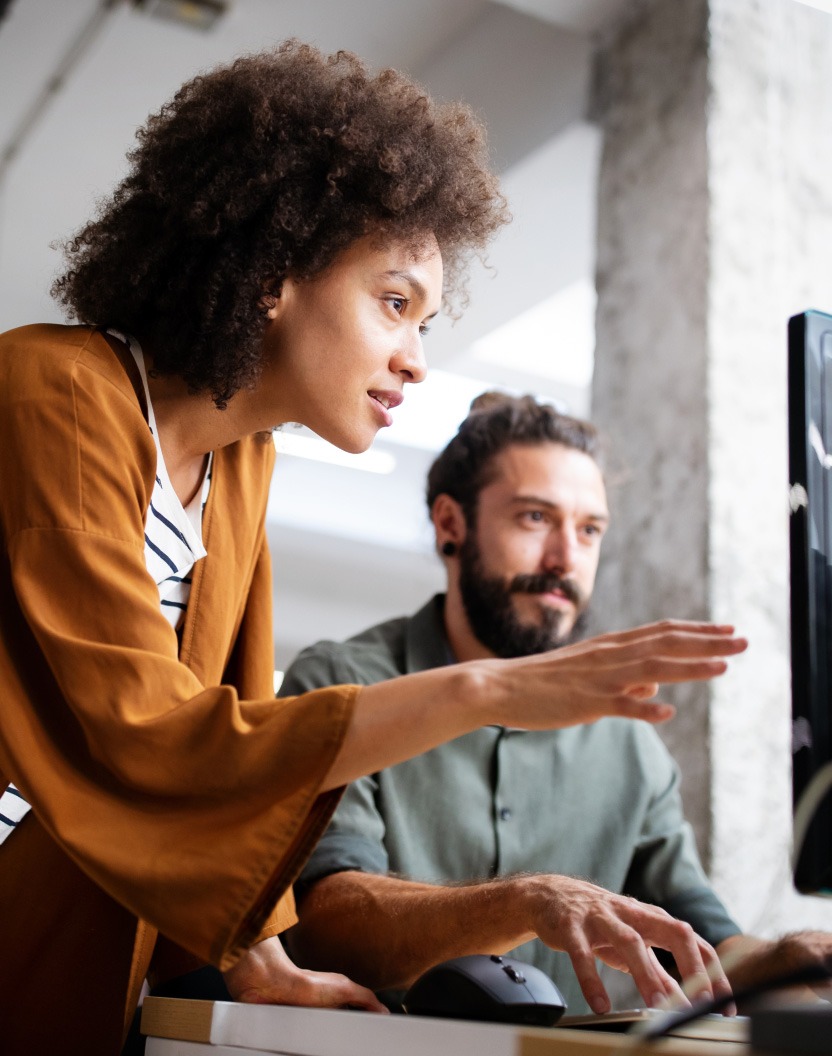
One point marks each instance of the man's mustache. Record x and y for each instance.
(546, 583)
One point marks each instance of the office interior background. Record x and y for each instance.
(666, 163)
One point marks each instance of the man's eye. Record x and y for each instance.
(534, 515)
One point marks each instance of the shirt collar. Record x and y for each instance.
(426, 645)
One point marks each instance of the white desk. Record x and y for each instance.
(205, 1028)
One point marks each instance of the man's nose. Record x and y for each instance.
(561, 549)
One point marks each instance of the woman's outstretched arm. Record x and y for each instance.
(611, 675)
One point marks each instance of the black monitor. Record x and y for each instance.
(810, 539)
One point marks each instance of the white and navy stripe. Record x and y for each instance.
(172, 545)
(13, 809)
(172, 533)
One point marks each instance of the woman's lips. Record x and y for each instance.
(385, 401)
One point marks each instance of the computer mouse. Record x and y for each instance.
(486, 987)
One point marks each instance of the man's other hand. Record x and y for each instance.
(752, 962)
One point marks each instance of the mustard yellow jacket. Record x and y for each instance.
(170, 790)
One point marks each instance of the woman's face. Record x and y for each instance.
(340, 348)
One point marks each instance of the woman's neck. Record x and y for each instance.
(190, 425)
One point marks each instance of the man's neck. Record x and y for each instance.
(462, 640)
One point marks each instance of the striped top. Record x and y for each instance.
(172, 532)
(172, 546)
(13, 809)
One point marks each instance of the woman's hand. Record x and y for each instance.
(609, 675)
(265, 975)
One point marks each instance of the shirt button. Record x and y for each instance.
(505, 813)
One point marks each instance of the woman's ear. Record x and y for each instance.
(269, 303)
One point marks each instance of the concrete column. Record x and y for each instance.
(714, 225)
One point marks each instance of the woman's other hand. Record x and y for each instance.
(266, 975)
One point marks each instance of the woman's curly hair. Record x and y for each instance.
(271, 166)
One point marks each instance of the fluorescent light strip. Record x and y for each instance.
(320, 451)
(821, 5)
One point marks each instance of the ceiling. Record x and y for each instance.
(349, 546)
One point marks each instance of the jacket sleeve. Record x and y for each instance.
(355, 838)
(188, 804)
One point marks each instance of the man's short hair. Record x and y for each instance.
(495, 421)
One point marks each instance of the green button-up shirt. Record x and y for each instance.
(599, 802)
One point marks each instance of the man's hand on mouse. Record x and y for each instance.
(586, 921)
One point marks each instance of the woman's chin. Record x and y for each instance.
(354, 444)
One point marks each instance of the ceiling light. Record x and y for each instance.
(319, 450)
(199, 14)
(821, 5)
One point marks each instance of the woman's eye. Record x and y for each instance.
(398, 304)
(424, 329)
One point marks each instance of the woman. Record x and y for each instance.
(275, 254)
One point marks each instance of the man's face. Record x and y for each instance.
(527, 567)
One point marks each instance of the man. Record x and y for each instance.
(460, 850)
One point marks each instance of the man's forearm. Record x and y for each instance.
(384, 932)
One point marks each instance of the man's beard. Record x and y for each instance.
(491, 614)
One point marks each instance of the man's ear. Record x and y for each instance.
(448, 522)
